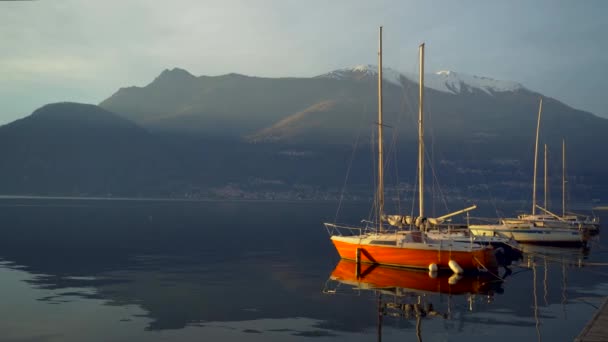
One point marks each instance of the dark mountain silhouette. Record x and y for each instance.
(487, 118)
(234, 135)
(336, 107)
(76, 149)
(84, 150)
(224, 106)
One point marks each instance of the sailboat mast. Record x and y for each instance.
(380, 138)
(546, 205)
(421, 131)
(540, 109)
(563, 177)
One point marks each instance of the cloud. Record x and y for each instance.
(109, 44)
(58, 67)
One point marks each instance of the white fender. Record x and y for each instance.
(455, 267)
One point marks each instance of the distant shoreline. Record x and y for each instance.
(207, 200)
(159, 199)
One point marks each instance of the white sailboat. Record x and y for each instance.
(545, 228)
(590, 224)
(388, 245)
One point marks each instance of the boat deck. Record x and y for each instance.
(597, 328)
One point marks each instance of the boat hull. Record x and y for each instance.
(533, 234)
(417, 255)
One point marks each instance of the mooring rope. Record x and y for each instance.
(486, 269)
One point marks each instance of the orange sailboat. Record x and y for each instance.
(386, 245)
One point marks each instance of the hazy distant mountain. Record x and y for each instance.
(340, 105)
(83, 150)
(472, 122)
(71, 148)
(248, 137)
(230, 105)
(464, 107)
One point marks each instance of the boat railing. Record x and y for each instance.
(346, 230)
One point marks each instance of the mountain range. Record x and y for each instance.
(233, 135)
(334, 107)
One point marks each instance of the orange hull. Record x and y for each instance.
(379, 277)
(417, 258)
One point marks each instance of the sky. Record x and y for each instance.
(84, 50)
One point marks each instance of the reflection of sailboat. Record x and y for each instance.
(542, 257)
(535, 228)
(376, 277)
(408, 294)
(574, 256)
(406, 248)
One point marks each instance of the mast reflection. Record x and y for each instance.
(410, 294)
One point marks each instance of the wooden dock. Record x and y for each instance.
(596, 329)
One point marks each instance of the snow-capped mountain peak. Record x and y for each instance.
(445, 80)
(455, 82)
(363, 70)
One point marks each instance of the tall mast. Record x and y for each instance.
(380, 140)
(540, 109)
(421, 131)
(545, 203)
(563, 177)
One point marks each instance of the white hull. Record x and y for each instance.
(468, 237)
(549, 222)
(531, 234)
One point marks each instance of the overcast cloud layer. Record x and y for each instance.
(79, 50)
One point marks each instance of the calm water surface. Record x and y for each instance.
(153, 271)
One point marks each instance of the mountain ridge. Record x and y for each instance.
(257, 109)
(443, 80)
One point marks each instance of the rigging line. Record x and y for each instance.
(485, 269)
(564, 289)
(417, 175)
(429, 111)
(407, 108)
(431, 159)
(433, 171)
(547, 205)
(414, 195)
(545, 287)
(393, 149)
(433, 193)
(485, 183)
(372, 212)
(486, 186)
(352, 157)
(397, 181)
(536, 319)
(395, 163)
(403, 110)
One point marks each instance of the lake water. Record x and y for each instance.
(230, 271)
